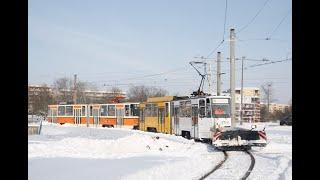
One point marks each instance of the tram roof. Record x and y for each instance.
(161, 99)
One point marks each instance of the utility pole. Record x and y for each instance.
(268, 100)
(219, 73)
(232, 76)
(75, 90)
(241, 106)
(87, 112)
(209, 77)
(206, 73)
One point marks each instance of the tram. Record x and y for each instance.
(190, 117)
(105, 115)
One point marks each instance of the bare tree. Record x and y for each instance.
(268, 97)
(157, 92)
(42, 100)
(290, 106)
(63, 90)
(81, 88)
(115, 96)
(141, 93)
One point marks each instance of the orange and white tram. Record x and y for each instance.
(105, 115)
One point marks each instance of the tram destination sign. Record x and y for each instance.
(216, 101)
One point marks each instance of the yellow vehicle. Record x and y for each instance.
(155, 115)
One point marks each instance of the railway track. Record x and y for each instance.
(225, 158)
(253, 161)
(216, 167)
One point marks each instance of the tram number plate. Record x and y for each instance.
(223, 122)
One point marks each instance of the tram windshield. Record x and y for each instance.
(221, 110)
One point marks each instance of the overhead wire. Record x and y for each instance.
(245, 26)
(224, 31)
(269, 37)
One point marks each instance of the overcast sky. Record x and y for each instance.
(122, 42)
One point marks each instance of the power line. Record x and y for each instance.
(224, 30)
(149, 75)
(253, 17)
(249, 59)
(279, 23)
(225, 19)
(271, 62)
(216, 48)
(261, 39)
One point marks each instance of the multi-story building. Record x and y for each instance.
(276, 107)
(250, 104)
(82, 97)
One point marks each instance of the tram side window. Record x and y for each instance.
(61, 111)
(147, 112)
(167, 110)
(69, 110)
(104, 110)
(208, 109)
(154, 110)
(182, 109)
(83, 110)
(202, 110)
(194, 115)
(127, 110)
(141, 115)
(54, 112)
(171, 109)
(188, 109)
(111, 110)
(195, 110)
(134, 109)
(90, 110)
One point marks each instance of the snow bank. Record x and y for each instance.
(77, 152)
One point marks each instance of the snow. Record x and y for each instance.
(79, 152)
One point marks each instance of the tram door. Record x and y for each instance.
(161, 119)
(53, 115)
(96, 115)
(194, 117)
(176, 120)
(77, 114)
(120, 114)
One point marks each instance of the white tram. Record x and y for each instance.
(195, 117)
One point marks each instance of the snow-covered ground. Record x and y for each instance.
(70, 152)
